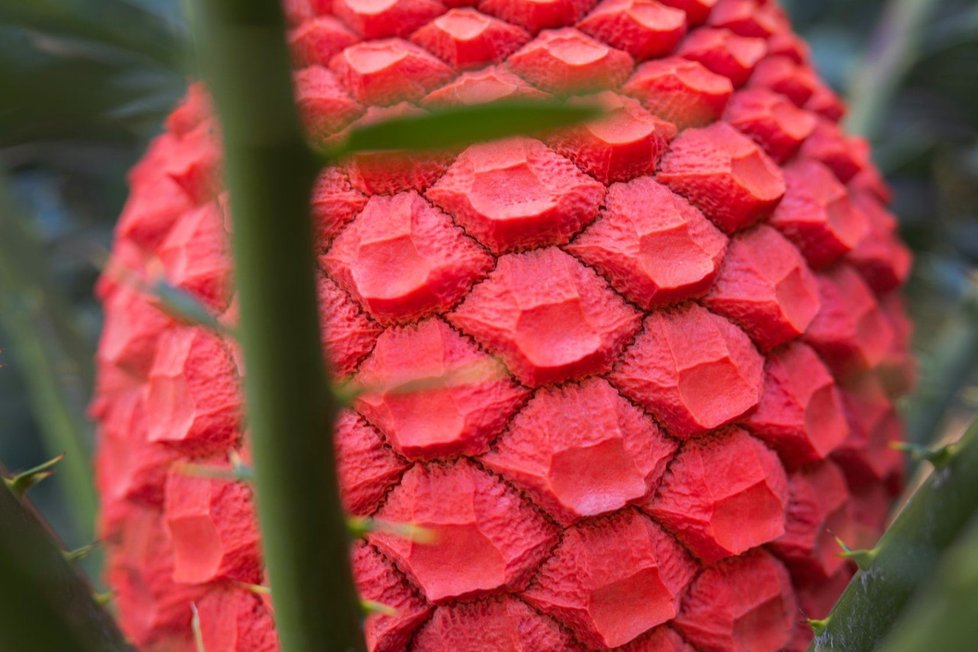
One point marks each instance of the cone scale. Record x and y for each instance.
(670, 341)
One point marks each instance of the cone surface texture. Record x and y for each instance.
(658, 353)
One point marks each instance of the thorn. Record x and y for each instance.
(371, 607)
(195, 626)
(206, 471)
(185, 307)
(818, 626)
(863, 557)
(76, 555)
(238, 472)
(244, 472)
(103, 598)
(360, 526)
(259, 589)
(347, 391)
(22, 482)
(938, 457)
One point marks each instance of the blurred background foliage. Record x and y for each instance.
(85, 83)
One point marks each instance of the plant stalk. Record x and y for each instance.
(270, 171)
(908, 553)
(45, 604)
(945, 615)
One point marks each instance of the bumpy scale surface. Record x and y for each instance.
(634, 376)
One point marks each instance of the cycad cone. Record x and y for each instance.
(669, 342)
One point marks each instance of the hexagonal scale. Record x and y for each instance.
(800, 414)
(694, 370)
(681, 91)
(742, 605)
(581, 450)
(723, 495)
(613, 579)
(517, 193)
(651, 244)
(433, 393)
(644, 28)
(512, 313)
(213, 529)
(766, 288)
(724, 174)
(402, 258)
(487, 537)
(502, 623)
(568, 62)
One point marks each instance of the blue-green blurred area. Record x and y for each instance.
(85, 83)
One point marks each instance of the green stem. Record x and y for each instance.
(45, 604)
(892, 51)
(945, 615)
(907, 554)
(270, 171)
(51, 356)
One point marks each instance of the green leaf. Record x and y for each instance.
(464, 125)
(55, 91)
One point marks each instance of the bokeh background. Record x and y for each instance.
(85, 83)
